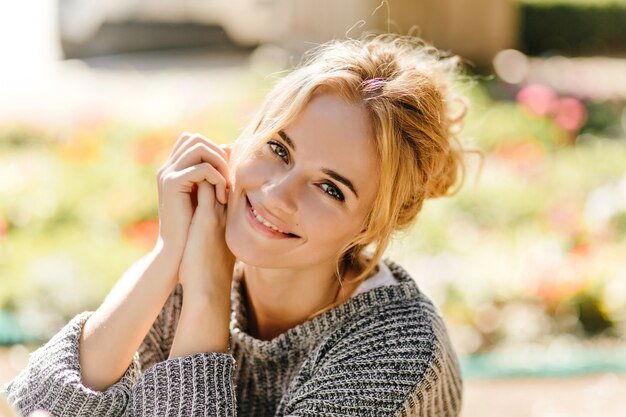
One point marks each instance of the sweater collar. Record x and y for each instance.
(305, 335)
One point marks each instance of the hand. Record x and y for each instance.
(205, 273)
(207, 265)
(193, 159)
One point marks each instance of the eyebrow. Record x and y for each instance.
(329, 172)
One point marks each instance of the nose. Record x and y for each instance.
(280, 193)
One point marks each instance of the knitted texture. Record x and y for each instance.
(384, 352)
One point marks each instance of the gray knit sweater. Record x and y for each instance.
(384, 352)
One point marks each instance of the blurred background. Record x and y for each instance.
(528, 262)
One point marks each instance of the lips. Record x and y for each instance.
(266, 221)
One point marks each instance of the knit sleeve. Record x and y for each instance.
(200, 384)
(192, 385)
(393, 362)
(52, 379)
(158, 342)
(52, 382)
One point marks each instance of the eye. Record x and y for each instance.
(333, 191)
(279, 150)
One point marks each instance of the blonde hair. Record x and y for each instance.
(406, 87)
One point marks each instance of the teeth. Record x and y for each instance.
(265, 222)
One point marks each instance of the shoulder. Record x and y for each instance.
(411, 329)
(403, 343)
(401, 310)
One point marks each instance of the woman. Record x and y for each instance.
(261, 296)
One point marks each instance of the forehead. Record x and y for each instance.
(338, 116)
(336, 134)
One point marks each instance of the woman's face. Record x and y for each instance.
(315, 182)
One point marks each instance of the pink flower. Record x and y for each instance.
(571, 114)
(4, 227)
(538, 99)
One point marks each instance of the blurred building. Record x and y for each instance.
(475, 29)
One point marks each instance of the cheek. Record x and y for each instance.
(325, 225)
(252, 173)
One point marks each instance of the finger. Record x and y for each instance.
(206, 195)
(228, 149)
(198, 154)
(214, 180)
(166, 167)
(185, 141)
(183, 181)
(181, 139)
(194, 140)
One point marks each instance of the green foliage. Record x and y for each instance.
(550, 3)
(593, 319)
(20, 136)
(575, 27)
(604, 119)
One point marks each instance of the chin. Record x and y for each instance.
(246, 251)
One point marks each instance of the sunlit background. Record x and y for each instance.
(528, 262)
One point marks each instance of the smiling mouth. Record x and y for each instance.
(266, 223)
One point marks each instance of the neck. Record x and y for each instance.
(281, 298)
